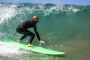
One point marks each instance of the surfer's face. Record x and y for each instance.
(36, 20)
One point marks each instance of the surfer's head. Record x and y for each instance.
(35, 18)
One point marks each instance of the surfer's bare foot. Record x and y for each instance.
(42, 41)
(19, 41)
(30, 45)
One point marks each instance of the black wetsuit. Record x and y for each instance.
(22, 29)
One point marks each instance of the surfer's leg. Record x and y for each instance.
(24, 32)
(31, 38)
(24, 36)
(32, 35)
(28, 33)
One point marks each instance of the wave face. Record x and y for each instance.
(64, 26)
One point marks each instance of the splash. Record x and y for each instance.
(9, 50)
(7, 12)
(57, 8)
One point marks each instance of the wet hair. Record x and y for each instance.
(35, 17)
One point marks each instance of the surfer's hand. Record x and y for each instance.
(42, 41)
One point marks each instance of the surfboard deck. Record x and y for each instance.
(35, 49)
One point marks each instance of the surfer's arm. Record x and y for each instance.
(35, 29)
(37, 34)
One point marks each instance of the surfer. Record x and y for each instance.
(23, 29)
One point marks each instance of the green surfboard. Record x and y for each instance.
(35, 49)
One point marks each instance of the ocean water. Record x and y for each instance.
(63, 27)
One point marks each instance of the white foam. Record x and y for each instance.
(7, 50)
(73, 9)
(58, 8)
(7, 12)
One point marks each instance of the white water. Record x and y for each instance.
(9, 50)
(7, 12)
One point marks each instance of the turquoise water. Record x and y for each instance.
(63, 28)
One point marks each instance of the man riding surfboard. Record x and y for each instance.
(23, 29)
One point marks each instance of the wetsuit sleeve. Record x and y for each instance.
(37, 34)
